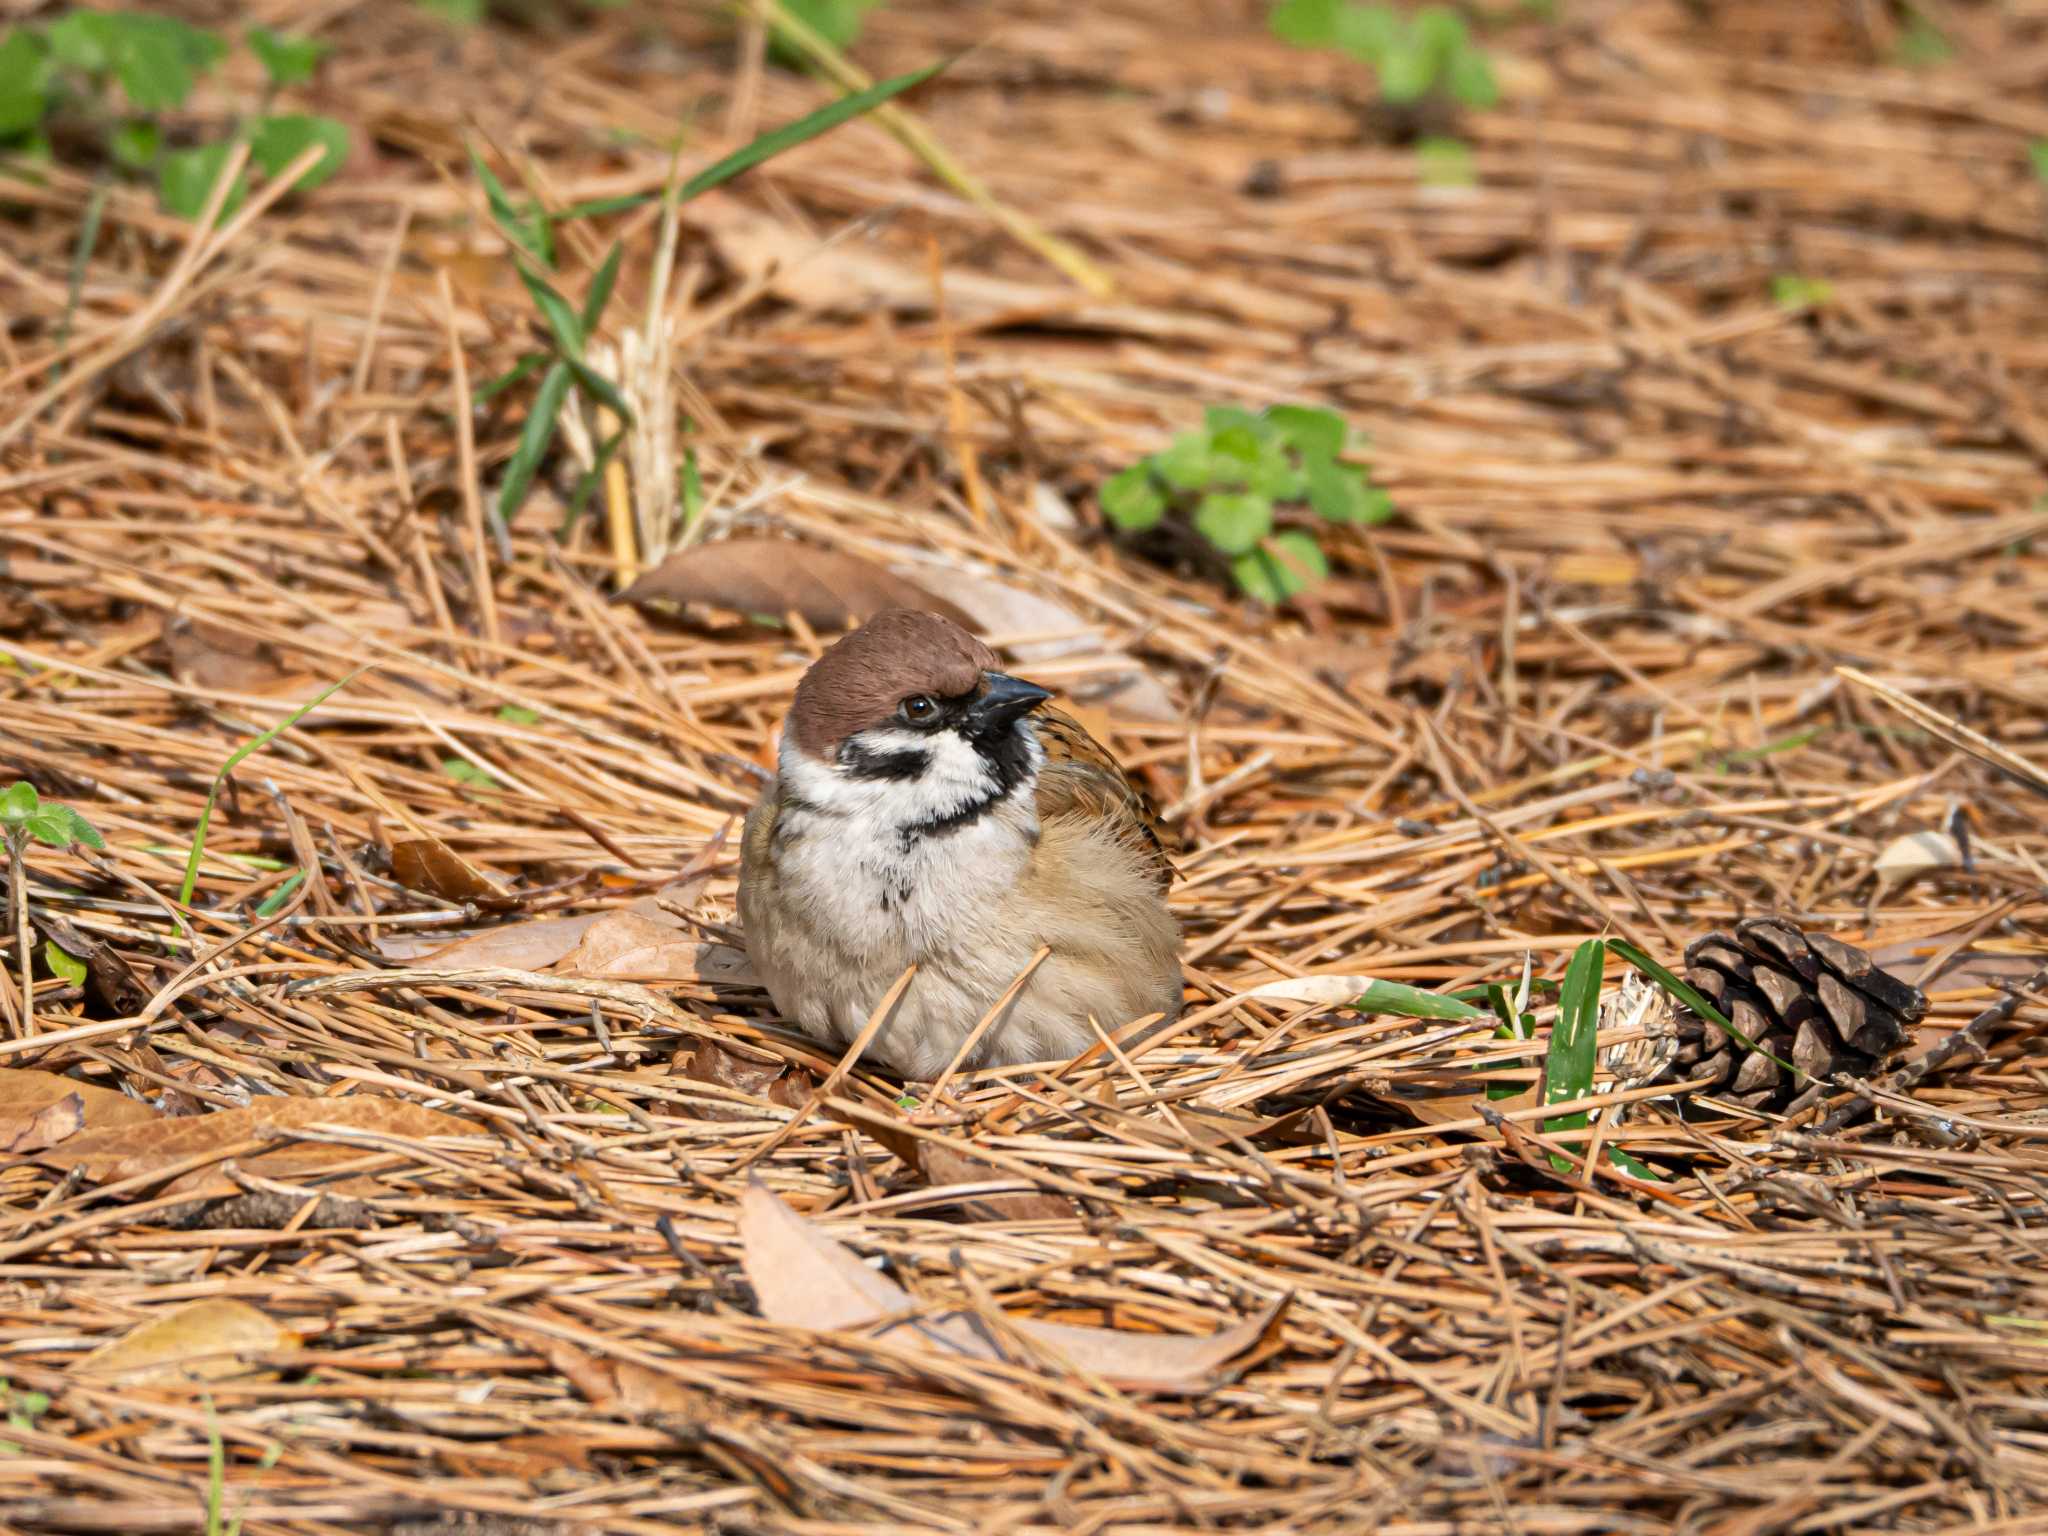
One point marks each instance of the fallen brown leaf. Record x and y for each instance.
(133, 1151)
(532, 945)
(631, 944)
(830, 588)
(33, 1116)
(201, 1341)
(623, 1387)
(942, 1166)
(112, 977)
(428, 864)
(52, 1123)
(757, 1075)
(222, 660)
(1445, 1106)
(535, 943)
(1210, 1127)
(850, 273)
(804, 1278)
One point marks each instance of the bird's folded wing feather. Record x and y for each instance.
(1080, 778)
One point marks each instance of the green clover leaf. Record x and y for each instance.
(287, 60)
(1234, 521)
(1285, 564)
(278, 141)
(1132, 500)
(18, 802)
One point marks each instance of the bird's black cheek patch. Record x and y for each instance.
(908, 763)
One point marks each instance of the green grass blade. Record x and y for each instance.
(1511, 1028)
(562, 320)
(590, 479)
(528, 234)
(1632, 1166)
(1413, 1003)
(804, 129)
(524, 368)
(601, 288)
(598, 207)
(216, 1474)
(277, 898)
(600, 389)
(1568, 1068)
(254, 744)
(81, 253)
(534, 437)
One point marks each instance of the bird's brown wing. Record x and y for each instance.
(1080, 778)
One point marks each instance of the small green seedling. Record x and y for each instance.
(838, 22)
(26, 817)
(1228, 478)
(121, 73)
(1922, 44)
(23, 1408)
(1793, 293)
(1441, 161)
(463, 771)
(530, 228)
(2037, 157)
(1427, 67)
(1412, 56)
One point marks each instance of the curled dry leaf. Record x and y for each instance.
(1328, 991)
(430, 865)
(805, 1278)
(623, 1387)
(849, 272)
(631, 944)
(50, 1124)
(132, 1151)
(532, 945)
(1915, 854)
(830, 588)
(32, 1115)
(209, 1340)
(535, 943)
(222, 660)
(1208, 1126)
(113, 978)
(756, 1074)
(942, 1166)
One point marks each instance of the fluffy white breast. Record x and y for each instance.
(856, 852)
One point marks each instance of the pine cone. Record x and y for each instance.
(1816, 1002)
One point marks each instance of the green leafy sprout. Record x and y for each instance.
(1227, 479)
(1921, 44)
(23, 1408)
(530, 230)
(26, 817)
(123, 73)
(838, 22)
(1423, 63)
(1793, 293)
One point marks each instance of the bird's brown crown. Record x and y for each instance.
(861, 679)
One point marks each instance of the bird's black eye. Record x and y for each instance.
(918, 708)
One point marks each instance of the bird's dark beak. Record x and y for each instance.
(1003, 699)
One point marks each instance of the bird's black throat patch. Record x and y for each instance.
(1007, 753)
(898, 766)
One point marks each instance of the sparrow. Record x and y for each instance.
(930, 809)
